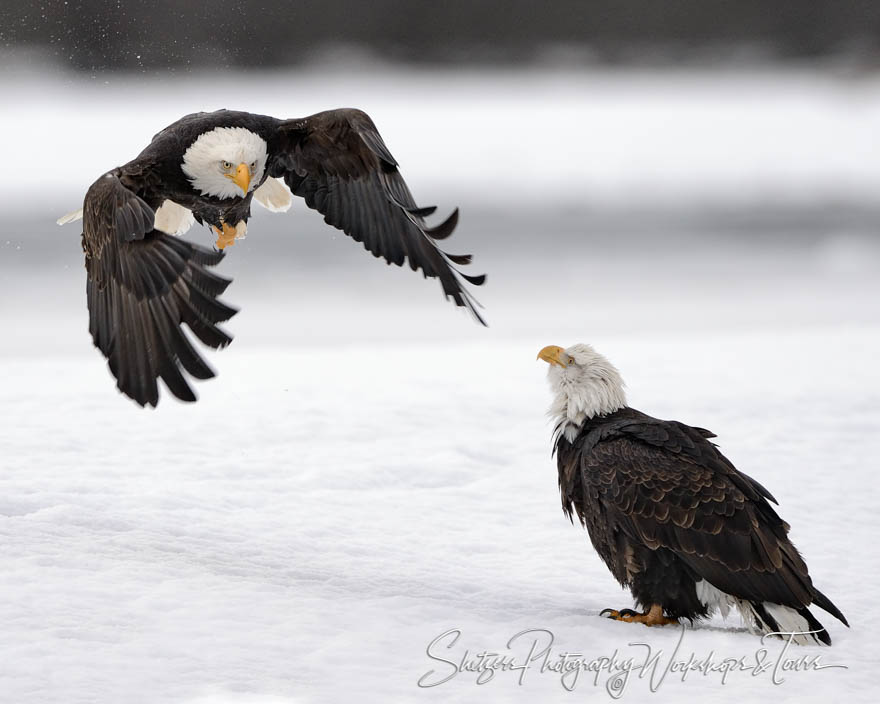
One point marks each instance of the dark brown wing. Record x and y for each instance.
(663, 485)
(338, 162)
(142, 286)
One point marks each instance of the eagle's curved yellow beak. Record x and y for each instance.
(554, 354)
(241, 177)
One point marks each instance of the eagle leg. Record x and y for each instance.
(652, 617)
(226, 237)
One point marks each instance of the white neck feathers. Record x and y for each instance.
(590, 386)
(233, 145)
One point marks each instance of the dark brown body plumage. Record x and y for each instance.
(665, 509)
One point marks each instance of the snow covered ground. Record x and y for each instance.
(371, 469)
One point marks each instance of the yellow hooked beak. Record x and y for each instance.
(241, 177)
(554, 355)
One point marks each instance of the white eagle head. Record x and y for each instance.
(584, 383)
(224, 162)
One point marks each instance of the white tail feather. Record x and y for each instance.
(715, 599)
(173, 219)
(789, 620)
(273, 195)
(70, 217)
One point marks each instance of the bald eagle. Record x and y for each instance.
(144, 283)
(669, 515)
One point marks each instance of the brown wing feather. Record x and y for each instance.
(338, 162)
(142, 286)
(665, 487)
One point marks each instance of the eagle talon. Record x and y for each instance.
(225, 237)
(617, 615)
(652, 617)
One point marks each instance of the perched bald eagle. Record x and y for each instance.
(144, 283)
(669, 515)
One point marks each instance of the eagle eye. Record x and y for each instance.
(226, 165)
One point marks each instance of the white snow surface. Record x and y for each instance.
(331, 506)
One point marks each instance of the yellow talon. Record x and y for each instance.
(226, 238)
(652, 617)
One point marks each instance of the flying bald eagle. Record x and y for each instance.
(669, 515)
(144, 283)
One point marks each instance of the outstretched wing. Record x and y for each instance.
(142, 286)
(338, 162)
(664, 485)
